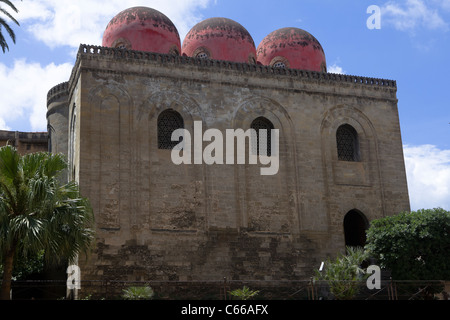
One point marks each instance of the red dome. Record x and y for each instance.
(220, 39)
(292, 48)
(142, 29)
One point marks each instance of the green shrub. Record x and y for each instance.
(412, 245)
(138, 293)
(345, 275)
(244, 294)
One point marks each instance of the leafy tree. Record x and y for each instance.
(4, 24)
(38, 213)
(26, 266)
(345, 274)
(413, 246)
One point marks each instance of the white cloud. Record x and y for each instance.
(335, 69)
(67, 22)
(414, 15)
(60, 23)
(25, 86)
(428, 171)
(3, 125)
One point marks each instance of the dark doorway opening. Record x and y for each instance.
(355, 226)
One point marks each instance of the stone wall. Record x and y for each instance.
(58, 121)
(25, 142)
(159, 221)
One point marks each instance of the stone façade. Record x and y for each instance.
(159, 221)
(25, 142)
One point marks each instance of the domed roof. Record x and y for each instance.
(142, 29)
(220, 39)
(292, 48)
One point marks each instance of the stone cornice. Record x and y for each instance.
(57, 92)
(121, 62)
(143, 57)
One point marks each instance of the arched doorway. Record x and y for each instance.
(355, 226)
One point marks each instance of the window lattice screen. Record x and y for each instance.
(168, 122)
(346, 138)
(266, 146)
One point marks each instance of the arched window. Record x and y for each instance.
(168, 122)
(279, 64)
(122, 44)
(355, 226)
(51, 135)
(174, 51)
(262, 123)
(347, 143)
(202, 55)
(73, 141)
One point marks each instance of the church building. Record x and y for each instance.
(339, 151)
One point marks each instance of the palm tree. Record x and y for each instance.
(38, 213)
(345, 276)
(5, 25)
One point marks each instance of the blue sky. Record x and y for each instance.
(412, 47)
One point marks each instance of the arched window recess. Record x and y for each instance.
(347, 143)
(168, 121)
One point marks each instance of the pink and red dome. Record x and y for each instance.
(142, 29)
(146, 29)
(292, 48)
(220, 39)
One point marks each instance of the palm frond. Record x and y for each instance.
(6, 13)
(10, 4)
(11, 33)
(4, 24)
(9, 162)
(37, 212)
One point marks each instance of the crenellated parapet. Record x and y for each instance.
(141, 56)
(57, 92)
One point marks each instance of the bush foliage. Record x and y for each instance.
(412, 245)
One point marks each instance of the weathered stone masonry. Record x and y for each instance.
(159, 221)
